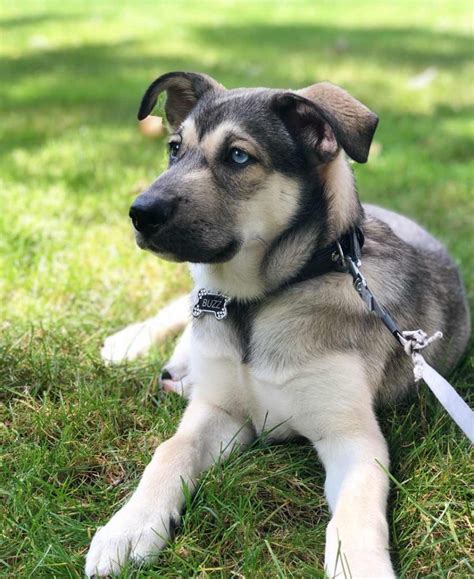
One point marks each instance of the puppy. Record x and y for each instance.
(257, 198)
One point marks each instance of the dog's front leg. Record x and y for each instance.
(142, 527)
(356, 489)
(335, 411)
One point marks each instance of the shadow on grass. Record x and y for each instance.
(108, 79)
(387, 46)
(266, 43)
(37, 19)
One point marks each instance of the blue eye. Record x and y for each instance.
(174, 149)
(238, 156)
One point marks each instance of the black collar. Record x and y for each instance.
(331, 257)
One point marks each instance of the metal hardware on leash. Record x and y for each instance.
(418, 340)
(360, 285)
(413, 342)
(339, 254)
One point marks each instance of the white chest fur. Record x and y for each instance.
(251, 389)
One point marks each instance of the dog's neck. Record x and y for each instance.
(240, 277)
(261, 265)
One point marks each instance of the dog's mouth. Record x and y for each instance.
(187, 251)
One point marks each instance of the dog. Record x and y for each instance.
(258, 194)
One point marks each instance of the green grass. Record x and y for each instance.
(75, 434)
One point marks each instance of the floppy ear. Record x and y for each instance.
(183, 90)
(352, 122)
(305, 122)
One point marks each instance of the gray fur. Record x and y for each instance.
(420, 287)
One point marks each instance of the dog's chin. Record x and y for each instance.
(191, 254)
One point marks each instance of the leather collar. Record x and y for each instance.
(331, 257)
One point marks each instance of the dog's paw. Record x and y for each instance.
(172, 382)
(130, 536)
(175, 376)
(357, 551)
(128, 344)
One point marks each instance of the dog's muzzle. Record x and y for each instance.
(178, 235)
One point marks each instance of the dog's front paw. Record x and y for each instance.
(175, 376)
(181, 385)
(128, 344)
(357, 550)
(135, 535)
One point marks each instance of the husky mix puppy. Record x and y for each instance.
(258, 186)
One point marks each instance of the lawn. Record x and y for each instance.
(76, 435)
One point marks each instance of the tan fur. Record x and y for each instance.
(212, 140)
(338, 182)
(189, 134)
(241, 276)
(288, 258)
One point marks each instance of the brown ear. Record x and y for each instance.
(183, 90)
(352, 122)
(305, 122)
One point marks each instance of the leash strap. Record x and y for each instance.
(454, 405)
(413, 342)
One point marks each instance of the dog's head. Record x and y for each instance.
(241, 163)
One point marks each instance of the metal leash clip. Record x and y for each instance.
(360, 283)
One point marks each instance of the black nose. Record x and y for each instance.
(148, 212)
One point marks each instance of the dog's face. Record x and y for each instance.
(239, 164)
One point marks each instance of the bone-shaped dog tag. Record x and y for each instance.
(210, 302)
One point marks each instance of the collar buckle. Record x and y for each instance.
(339, 258)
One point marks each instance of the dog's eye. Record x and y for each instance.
(238, 156)
(174, 149)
